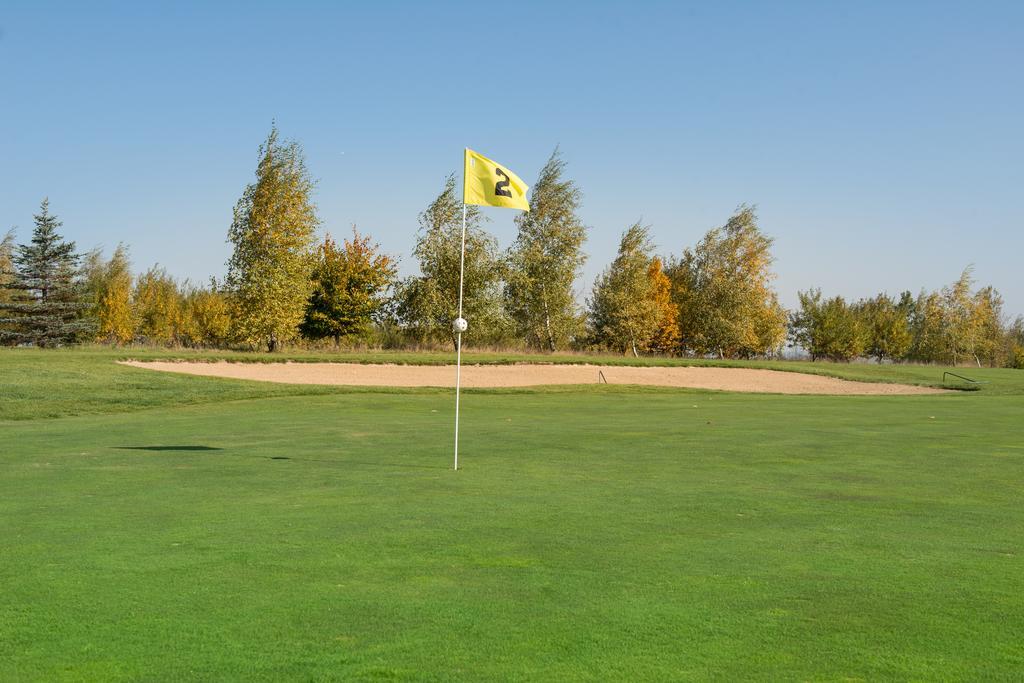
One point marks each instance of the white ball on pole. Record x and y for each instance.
(460, 325)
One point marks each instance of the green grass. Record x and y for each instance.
(224, 530)
(87, 381)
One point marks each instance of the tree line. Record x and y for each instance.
(285, 286)
(953, 325)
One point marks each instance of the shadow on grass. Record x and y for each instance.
(278, 457)
(167, 448)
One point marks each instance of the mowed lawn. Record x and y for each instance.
(193, 528)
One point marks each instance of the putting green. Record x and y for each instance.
(607, 533)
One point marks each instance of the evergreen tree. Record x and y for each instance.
(47, 306)
(545, 261)
(349, 287)
(428, 303)
(273, 234)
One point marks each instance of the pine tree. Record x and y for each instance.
(428, 303)
(273, 235)
(349, 286)
(47, 307)
(545, 261)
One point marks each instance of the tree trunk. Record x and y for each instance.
(272, 343)
(547, 319)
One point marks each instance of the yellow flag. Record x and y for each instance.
(487, 183)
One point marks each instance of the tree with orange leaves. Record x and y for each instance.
(667, 335)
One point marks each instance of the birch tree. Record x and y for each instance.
(273, 235)
(622, 307)
(545, 261)
(429, 302)
(723, 290)
(113, 294)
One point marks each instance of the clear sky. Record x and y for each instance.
(883, 142)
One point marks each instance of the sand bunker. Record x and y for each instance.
(475, 376)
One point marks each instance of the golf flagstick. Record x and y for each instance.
(460, 325)
(484, 183)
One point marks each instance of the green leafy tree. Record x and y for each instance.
(886, 327)
(350, 285)
(273, 236)
(1015, 344)
(546, 260)
(429, 302)
(804, 322)
(828, 329)
(959, 323)
(927, 329)
(840, 336)
(988, 328)
(47, 306)
(723, 290)
(623, 312)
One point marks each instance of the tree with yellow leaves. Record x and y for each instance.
(114, 323)
(273, 234)
(723, 290)
(206, 316)
(157, 308)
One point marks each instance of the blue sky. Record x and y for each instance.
(882, 142)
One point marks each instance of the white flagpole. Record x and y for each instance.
(458, 338)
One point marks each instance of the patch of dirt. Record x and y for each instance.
(478, 376)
